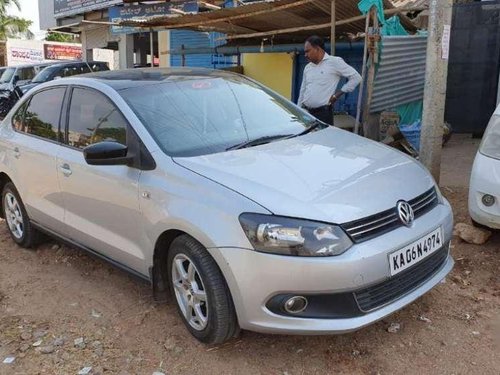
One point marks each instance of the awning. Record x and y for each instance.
(280, 21)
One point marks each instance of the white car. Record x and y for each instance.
(484, 192)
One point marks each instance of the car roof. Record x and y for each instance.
(128, 78)
(73, 63)
(20, 66)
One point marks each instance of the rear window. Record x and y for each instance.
(42, 114)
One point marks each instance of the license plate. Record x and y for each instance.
(415, 252)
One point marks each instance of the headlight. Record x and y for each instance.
(491, 140)
(285, 236)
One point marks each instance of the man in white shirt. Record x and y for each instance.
(321, 78)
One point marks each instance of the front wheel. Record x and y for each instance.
(16, 218)
(201, 294)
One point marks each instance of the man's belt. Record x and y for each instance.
(318, 109)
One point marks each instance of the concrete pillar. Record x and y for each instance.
(83, 37)
(126, 51)
(431, 138)
(163, 47)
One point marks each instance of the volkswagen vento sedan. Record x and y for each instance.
(252, 213)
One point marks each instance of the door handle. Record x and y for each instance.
(17, 154)
(66, 170)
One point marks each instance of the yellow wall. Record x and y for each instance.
(271, 69)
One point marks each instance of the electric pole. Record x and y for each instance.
(438, 43)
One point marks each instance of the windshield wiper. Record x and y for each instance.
(258, 141)
(315, 125)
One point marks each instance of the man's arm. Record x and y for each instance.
(353, 78)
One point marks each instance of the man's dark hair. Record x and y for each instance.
(316, 41)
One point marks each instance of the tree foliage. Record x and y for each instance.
(11, 26)
(58, 37)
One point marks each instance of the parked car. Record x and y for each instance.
(484, 190)
(65, 69)
(19, 75)
(254, 214)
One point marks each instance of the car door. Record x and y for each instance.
(35, 143)
(101, 202)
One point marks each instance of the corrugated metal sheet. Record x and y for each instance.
(401, 74)
(269, 16)
(410, 3)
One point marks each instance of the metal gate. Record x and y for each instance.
(473, 66)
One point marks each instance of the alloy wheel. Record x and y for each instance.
(14, 216)
(190, 292)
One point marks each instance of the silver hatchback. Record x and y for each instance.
(249, 211)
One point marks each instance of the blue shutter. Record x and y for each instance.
(195, 39)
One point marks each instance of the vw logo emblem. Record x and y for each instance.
(405, 213)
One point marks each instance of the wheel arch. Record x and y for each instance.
(4, 179)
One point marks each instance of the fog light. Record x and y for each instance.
(488, 200)
(295, 305)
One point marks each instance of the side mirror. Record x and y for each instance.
(107, 153)
(57, 77)
(15, 79)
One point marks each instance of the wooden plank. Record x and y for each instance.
(239, 16)
(307, 28)
(363, 76)
(371, 76)
(332, 28)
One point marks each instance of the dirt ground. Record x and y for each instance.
(57, 295)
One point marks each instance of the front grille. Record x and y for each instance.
(383, 222)
(397, 286)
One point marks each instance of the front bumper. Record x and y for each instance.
(254, 278)
(485, 179)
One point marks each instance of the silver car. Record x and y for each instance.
(251, 212)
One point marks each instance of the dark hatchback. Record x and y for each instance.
(62, 70)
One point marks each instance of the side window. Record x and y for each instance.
(94, 118)
(26, 74)
(17, 119)
(66, 72)
(42, 114)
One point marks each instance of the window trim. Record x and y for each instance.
(28, 102)
(71, 89)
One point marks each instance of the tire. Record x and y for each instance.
(200, 292)
(14, 212)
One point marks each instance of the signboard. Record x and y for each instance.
(27, 55)
(24, 51)
(144, 12)
(62, 52)
(64, 8)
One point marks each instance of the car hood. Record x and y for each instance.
(329, 175)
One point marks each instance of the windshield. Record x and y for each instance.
(192, 116)
(7, 75)
(43, 76)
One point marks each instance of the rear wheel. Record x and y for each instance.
(200, 291)
(16, 218)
